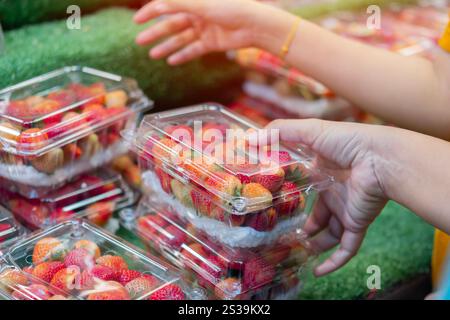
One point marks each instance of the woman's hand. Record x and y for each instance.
(345, 211)
(196, 27)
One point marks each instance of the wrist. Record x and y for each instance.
(270, 28)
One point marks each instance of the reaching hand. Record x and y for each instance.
(196, 27)
(345, 211)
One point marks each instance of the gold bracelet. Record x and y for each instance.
(287, 44)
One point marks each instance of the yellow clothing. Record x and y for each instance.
(444, 42)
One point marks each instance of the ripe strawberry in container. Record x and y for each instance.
(62, 124)
(80, 261)
(256, 190)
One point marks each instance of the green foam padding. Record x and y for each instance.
(106, 42)
(398, 242)
(16, 13)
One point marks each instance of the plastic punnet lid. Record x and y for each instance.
(10, 230)
(228, 272)
(16, 284)
(96, 195)
(62, 106)
(207, 147)
(88, 263)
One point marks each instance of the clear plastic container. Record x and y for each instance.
(96, 195)
(10, 230)
(61, 124)
(221, 271)
(87, 263)
(225, 185)
(287, 89)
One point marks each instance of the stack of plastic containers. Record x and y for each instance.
(10, 230)
(55, 130)
(211, 196)
(76, 260)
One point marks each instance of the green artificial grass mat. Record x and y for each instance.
(106, 42)
(398, 242)
(16, 13)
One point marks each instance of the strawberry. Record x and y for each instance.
(173, 236)
(257, 193)
(11, 278)
(46, 107)
(127, 275)
(277, 254)
(291, 198)
(64, 97)
(46, 270)
(99, 213)
(17, 108)
(193, 254)
(228, 289)
(217, 213)
(122, 163)
(180, 133)
(32, 292)
(140, 286)
(103, 273)
(243, 178)
(109, 290)
(182, 192)
(237, 220)
(257, 272)
(48, 249)
(258, 221)
(151, 225)
(272, 217)
(164, 179)
(224, 183)
(72, 152)
(168, 292)
(60, 214)
(117, 263)
(165, 150)
(94, 112)
(272, 181)
(81, 258)
(32, 139)
(90, 246)
(65, 279)
(116, 98)
(201, 201)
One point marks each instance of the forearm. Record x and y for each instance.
(414, 171)
(406, 91)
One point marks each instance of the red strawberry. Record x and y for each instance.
(150, 226)
(32, 292)
(46, 270)
(110, 290)
(99, 213)
(66, 279)
(127, 275)
(272, 217)
(277, 254)
(237, 220)
(32, 139)
(94, 112)
(46, 107)
(48, 249)
(173, 236)
(60, 215)
(168, 292)
(224, 183)
(64, 97)
(272, 181)
(81, 258)
(117, 263)
(164, 179)
(243, 178)
(90, 246)
(257, 272)
(258, 221)
(103, 273)
(181, 133)
(256, 192)
(141, 286)
(202, 202)
(290, 199)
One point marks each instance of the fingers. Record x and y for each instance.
(329, 237)
(158, 8)
(303, 131)
(350, 244)
(318, 220)
(172, 44)
(190, 52)
(168, 26)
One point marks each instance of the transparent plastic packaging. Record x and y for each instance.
(87, 263)
(61, 124)
(198, 158)
(271, 80)
(96, 195)
(10, 230)
(218, 270)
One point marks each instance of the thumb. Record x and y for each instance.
(158, 8)
(302, 131)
